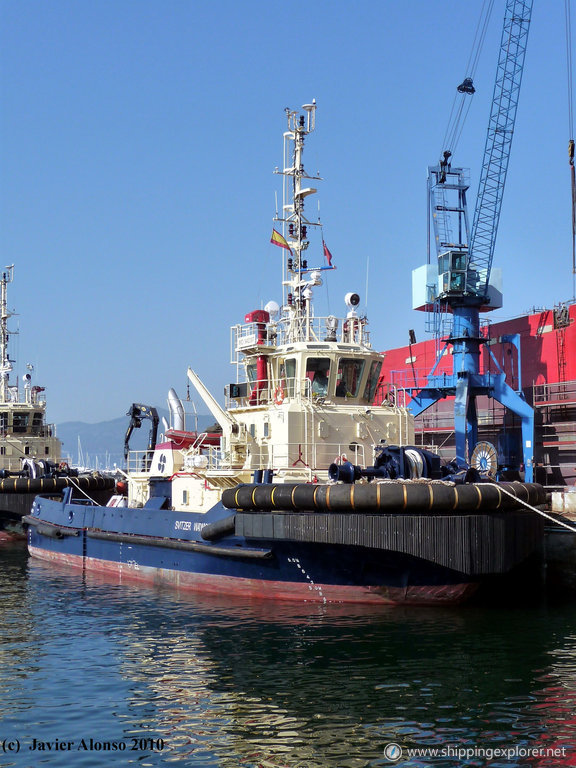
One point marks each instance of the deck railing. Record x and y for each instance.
(280, 458)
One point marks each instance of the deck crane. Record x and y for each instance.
(462, 281)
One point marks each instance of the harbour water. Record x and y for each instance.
(96, 672)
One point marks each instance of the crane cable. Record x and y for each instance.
(458, 113)
(568, 24)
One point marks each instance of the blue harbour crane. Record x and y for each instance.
(462, 283)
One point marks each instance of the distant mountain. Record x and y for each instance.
(101, 445)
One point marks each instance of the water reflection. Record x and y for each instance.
(17, 627)
(236, 683)
(555, 704)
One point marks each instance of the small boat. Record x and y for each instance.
(30, 453)
(306, 489)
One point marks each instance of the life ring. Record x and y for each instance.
(279, 395)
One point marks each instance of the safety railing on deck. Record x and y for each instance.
(282, 456)
(557, 393)
(250, 336)
(391, 395)
(263, 392)
(139, 461)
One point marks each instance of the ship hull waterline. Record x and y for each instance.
(308, 590)
(343, 557)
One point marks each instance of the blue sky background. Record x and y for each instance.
(138, 140)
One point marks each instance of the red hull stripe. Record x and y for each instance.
(447, 594)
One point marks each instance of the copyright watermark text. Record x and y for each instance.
(393, 752)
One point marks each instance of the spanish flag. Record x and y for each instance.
(277, 239)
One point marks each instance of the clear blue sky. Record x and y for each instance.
(138, 140)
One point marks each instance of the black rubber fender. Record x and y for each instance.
(219, 528)
(385, 497)
(48, 484)
(48, 529)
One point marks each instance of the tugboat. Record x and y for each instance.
(306, 490)
(30, 453)
(24, 435)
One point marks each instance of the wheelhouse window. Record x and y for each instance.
(287, 375)
(348, 378)
(20, 422)
(256, 386)
(318, 373)
(372, 383)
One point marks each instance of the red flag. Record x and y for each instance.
(327, 254)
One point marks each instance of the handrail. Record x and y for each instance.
(262, 392)
(251, 335)
(279, 457)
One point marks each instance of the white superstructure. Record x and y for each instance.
(305, 385)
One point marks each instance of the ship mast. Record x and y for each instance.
(5, 363)
(299, 279)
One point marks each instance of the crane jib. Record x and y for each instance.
(499, 137)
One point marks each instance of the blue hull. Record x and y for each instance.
(164, 546)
